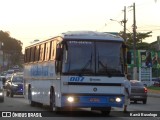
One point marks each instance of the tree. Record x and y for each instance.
(143, 46)
(11, 47)
(139, 40)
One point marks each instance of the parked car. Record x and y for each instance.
(14, 86)
(138, 91)
(1, 91)
(156, 82)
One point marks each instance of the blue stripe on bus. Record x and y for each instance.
(95, 84)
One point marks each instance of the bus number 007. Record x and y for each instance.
(77, 79)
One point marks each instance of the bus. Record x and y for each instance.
(77, 69)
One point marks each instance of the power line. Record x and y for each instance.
(109, 21)
(149, 30)
(149, 26)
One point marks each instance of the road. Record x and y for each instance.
(19, 104)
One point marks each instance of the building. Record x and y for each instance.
(156, 44)
(147, 63)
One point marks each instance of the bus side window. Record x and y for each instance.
(27, 55)
(32, 54)
(53, 49)
(42, 52)
(47, 51)
(50, 50)
(37, 52)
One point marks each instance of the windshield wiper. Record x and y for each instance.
(83, 70)
(105, 68)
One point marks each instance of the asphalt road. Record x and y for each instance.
(20, 105)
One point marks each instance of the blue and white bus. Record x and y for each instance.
(79, 69)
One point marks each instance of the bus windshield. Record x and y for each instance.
(92, 58)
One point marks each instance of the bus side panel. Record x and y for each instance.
(41, 76)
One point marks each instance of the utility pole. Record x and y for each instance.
(125, 38)
(134, 42)
(124, 21)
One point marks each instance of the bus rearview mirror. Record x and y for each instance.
(129, 57)
(59, 54)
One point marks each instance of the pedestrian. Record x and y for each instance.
(127, 92)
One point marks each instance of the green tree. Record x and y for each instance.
(139, 40)
(12, 47)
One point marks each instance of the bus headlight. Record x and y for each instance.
(70, 99)
(118, 99)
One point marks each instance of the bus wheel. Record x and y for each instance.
(7, 93)
(11, 94)
(2, 99)
(32, 103)
(53, 100)
(144, 101)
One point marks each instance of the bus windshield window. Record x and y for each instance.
(79, 58)
(108, 58)
(88, 58)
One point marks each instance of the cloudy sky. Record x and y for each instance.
(27, 20)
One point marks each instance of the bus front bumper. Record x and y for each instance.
(92, 100)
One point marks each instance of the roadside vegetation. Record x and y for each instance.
(11, 49)
(153, 89)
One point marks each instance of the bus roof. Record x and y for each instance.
(84, 35)
(91, 35)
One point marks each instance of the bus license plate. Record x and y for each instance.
(94, 100)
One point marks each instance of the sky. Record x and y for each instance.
(29, 20)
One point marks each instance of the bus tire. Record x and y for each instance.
(144, 101)
(7, 93)
(11, 94)
(53, 100)
(32, 103)
(2, 100)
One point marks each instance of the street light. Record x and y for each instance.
(120, 22)
(124, 27)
